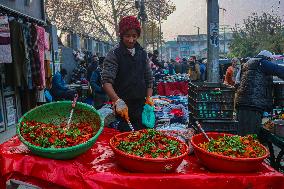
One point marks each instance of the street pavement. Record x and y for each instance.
(9, 133)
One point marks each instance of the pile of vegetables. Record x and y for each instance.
(149, 144)
(53, 136)
(269, 125)
(235, 146)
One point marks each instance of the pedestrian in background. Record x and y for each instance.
(178, 67)
(202, 66)
(59, 89)
(194, 69)
(98, 92)
(184, 66)
(172, 67)
(231, 72)
(155, 59)
(93, 66)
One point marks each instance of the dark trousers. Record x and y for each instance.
(249, 120)
(135, 109)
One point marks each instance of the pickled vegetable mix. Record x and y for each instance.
(149, 144)
(52, 136)
(235, 146)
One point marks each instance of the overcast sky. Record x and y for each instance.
(190, 13)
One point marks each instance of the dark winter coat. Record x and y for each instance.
(129, 75)
(184, 67)
(255, 89)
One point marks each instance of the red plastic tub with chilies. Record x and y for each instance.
(220, 163)
(147, 165)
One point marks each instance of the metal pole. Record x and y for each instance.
(213, 40)
(198, 33)
(160, 27)
(199, 41)
(143, 19)
(224, 41)
(144, 34)
(153, 43)
(224, 28)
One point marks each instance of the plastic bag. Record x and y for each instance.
(148, 116)
(48, 96)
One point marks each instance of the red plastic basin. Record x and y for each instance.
(221, 163)
(147, 165)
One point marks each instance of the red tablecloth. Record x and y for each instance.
(172, 88)
(97, 169)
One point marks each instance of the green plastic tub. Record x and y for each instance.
(55, 113)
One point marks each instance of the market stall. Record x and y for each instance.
(100, 166)
(272, 134)
(273, 140)
(97, 168)
(82, 90)
(173, 85)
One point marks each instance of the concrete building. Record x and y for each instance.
(188, 45)
(70, 42)
(85, 43)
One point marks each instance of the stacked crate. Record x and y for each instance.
(212, 104)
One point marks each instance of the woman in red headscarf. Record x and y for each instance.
(127, 76)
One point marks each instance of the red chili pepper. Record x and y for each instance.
(47, 135)
(51, 140)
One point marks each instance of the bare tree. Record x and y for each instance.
(98, 18)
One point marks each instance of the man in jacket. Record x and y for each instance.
(194, 69)
(184, 66)
(254, 94)
(92, 67)
(155, 59)
(98, 92)
(202, 67)
(127, 76)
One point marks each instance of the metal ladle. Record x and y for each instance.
(71, 112)
(201, 129)
(130, 125)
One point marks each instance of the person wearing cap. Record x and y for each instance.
(254, 94)
(127, 76)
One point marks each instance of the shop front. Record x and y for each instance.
(24, 58)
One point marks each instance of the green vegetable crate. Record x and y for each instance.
(211, 101)
(222, 126)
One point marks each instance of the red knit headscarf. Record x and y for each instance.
(129, 23)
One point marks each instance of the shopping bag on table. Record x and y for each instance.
(148, 116)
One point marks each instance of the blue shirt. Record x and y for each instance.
(58, 82)
(202, 68)
(95, 81)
